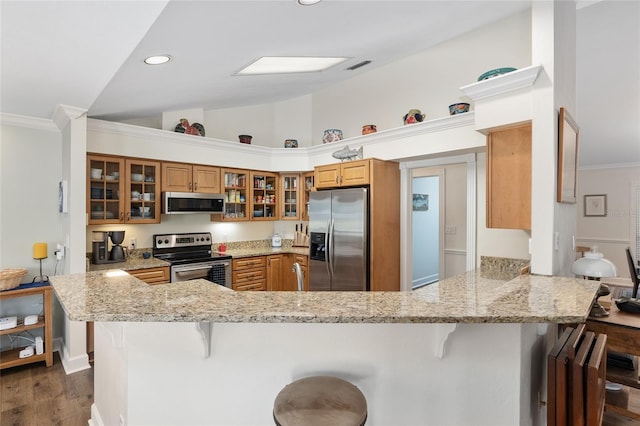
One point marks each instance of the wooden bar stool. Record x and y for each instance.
(320, 401)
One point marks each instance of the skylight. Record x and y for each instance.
(290, 64)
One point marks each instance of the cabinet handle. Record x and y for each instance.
(337, 179)
(128, 216)
(195, 186)
(190, 186)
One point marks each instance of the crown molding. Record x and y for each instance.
(64, 114)
(496, 86)
(28, 122)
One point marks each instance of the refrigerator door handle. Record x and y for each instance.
(330, 248)
(327, 248)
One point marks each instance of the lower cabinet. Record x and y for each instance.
(250, 273)
(159, 275)
(271, 272)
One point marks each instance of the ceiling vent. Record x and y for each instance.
(358, 65)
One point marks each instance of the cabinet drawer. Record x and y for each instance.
(249, 275)
(152, 275)
(257, 285)
(301, 259)
(249, 263)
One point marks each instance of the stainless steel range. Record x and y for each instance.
(191, 257)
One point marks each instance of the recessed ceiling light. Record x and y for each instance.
(290, 64)
(157, 60)
(308, 2)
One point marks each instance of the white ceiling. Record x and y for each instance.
(88, 54)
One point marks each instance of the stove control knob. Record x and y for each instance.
(208, 238)
(159, 242)
(166, 241)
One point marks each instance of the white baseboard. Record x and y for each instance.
(95, 419)
(70, 365)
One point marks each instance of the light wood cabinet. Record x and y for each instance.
(126, 191)
(383, 181)
(349, 173)
(142, 191)
(308, 182)
(180, 177)
(264, 196)
(159, 275)
(509, 177)
(290, 200)
(275, 266)
(105, 189)
(290, 280)
(236, 194)
(11, 357)
(250, 273)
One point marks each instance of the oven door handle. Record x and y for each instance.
(196, 268)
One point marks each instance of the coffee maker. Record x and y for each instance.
(100, 247)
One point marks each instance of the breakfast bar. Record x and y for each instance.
(467, 350)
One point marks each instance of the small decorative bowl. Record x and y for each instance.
(290, 143)
(245, 139)
(369, 128)
(458, 108)
(495, 73)
(332, 135)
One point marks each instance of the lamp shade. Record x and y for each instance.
(594, 265)
(40, 251)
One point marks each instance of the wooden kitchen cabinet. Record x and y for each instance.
(159, 275)
(11, 357)
(348, 173)
(290, 280)
(105, 190)
(142, 191)
(250, 273)
(275, 265)
(290, 200)
(264, 196)
(308, 181)
(126, 192)
(181, 177)
(509, 177)
(236, 194)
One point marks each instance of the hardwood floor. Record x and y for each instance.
(34, 395)
(37, 395)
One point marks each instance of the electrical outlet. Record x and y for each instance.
(556, 241)
(59, 251)
(132, 243)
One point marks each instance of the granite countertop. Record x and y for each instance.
(265, 251)
(472, 297)
(131, 263)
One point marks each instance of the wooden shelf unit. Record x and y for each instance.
(10, 358)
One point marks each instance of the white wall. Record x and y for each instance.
(611, 234)
(426, 231)
(455, 242)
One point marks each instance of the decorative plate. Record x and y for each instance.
(495, 73)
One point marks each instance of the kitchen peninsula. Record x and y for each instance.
(466, 350)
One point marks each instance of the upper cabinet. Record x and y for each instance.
(509, 177)
(350, 173)
(142, 192)
(179, 177)
(264, 196)
(105, 189)
(290, 196)
(235, 195)
(122, 190)
(308, 181)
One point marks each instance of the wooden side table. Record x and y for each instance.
(623, 335)
(11, 358)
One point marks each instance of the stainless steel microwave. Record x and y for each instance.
(192, 202)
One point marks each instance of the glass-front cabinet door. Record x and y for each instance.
(290, 196)
(143, 198)
(235, 194)
(308, 181)
(264, 196)
(105, 189)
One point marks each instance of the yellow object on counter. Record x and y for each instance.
(40, 251)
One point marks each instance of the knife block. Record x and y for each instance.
(300, 239)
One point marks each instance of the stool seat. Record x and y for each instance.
(320, 401)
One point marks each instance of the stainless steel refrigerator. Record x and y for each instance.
(339, 240)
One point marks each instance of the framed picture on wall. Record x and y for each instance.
(595, 205)
(567, 157)
(420, 202)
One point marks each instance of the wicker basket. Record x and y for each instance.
(10, 278)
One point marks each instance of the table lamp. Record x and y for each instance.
(594, 266)
(39, 253)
